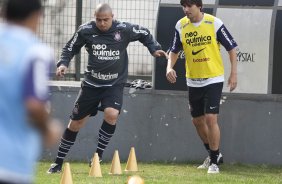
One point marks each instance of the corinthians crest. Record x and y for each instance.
(117, 36)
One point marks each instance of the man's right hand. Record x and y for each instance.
(171, 75)
(61, 70)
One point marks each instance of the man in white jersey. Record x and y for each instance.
(24, 67)
(199, 35)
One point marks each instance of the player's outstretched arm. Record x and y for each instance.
(160, 53)
(61, 70)
(170, 72)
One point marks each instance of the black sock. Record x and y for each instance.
(105, 133)
(207, 146)
(67, 141)
(214, 155)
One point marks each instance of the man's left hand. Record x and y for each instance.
(232, 81)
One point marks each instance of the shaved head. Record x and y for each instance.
(102, 8)
(104, 17)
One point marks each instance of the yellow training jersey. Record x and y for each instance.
(201, 48)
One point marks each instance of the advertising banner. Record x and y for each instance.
(251, 30)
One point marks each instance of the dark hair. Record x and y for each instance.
(198, 3)
(14, 10)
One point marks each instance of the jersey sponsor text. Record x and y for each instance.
(108, 76)
(140, 31)
(100, 50)
(73, 41)
(201, 60)
(197, 40)
(226, 36)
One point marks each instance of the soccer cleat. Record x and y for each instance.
(213, 169)
(55, 168)
(220, 159)
(207, 161)
(205, 164)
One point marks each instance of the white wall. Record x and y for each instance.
(252, 33)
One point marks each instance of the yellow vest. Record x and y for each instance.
(202, 50)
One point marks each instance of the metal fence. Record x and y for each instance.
(62, 17)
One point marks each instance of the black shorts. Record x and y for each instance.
(205, 100)
(92, 99)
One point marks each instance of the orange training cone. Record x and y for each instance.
(95, 169)
(66, 178)
(116, 167)
(131, 162)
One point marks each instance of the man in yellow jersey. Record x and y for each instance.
(199, 35)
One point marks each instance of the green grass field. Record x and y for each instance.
(168, 174)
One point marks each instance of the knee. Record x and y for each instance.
(211, 119)
(111, 115)
(198, 121)
(75, 125)
(195, 122)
